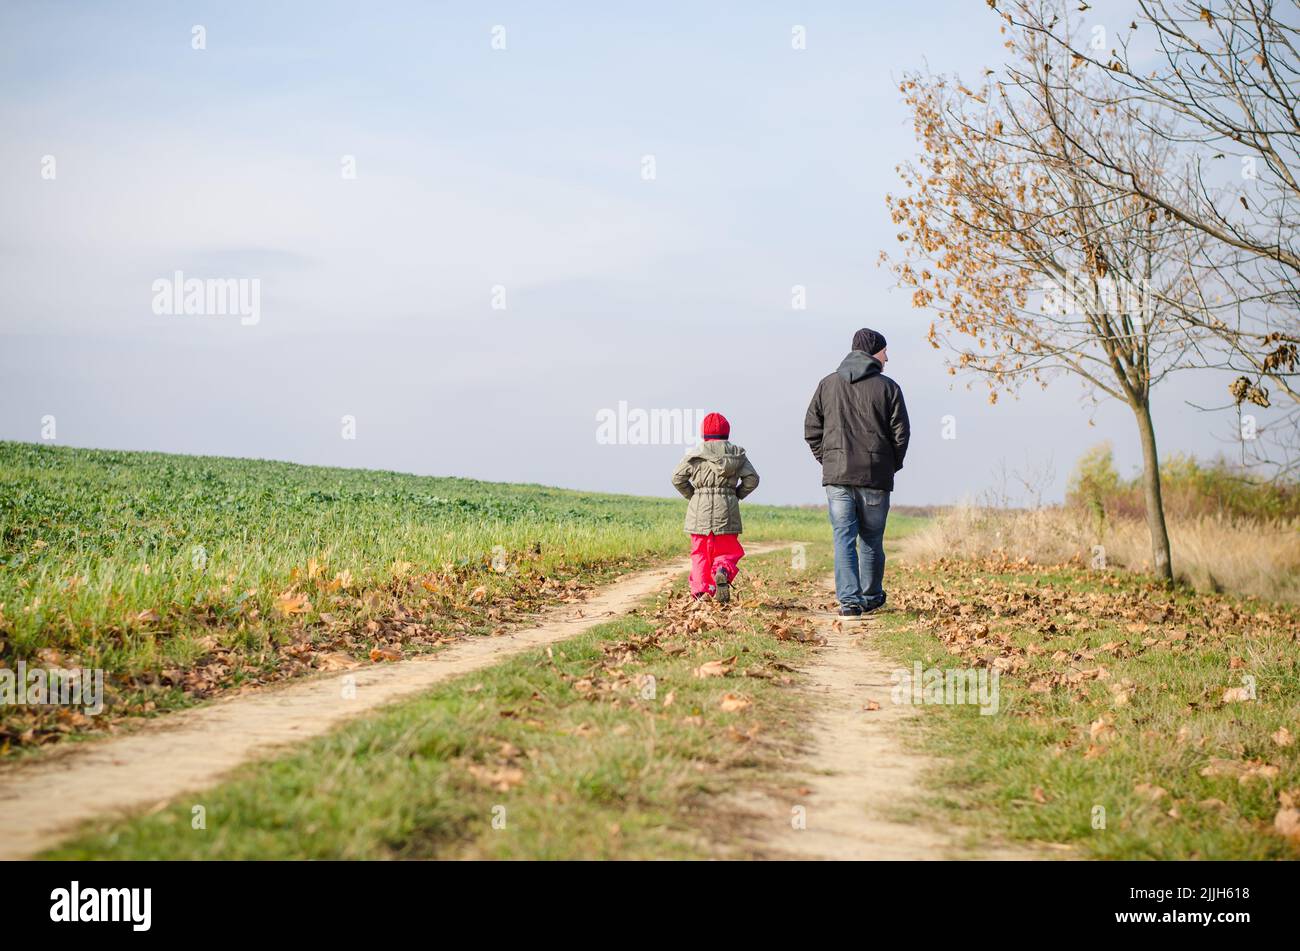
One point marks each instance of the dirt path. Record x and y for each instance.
(42, 801)
(862, 776)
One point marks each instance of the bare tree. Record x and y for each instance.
(1220, 83)
(1036, 262)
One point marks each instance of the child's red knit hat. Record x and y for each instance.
(715, 427)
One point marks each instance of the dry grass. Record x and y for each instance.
(1255, 558)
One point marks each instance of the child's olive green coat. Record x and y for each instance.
(714, 476)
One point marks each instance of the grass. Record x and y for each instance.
(560, 753)
(1134, 721)
(1241, 556)
(184, 577)
(1126, 726)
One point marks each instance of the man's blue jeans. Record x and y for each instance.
(857, 512)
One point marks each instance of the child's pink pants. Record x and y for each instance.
(708, 554)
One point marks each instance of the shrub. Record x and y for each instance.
(1094, 484)
(1191, 489)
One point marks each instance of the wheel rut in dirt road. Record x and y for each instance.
(861, 775)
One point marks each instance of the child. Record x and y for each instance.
(714, 476)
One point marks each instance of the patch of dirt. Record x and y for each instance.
(860, 776)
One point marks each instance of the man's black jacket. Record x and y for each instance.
(857, 425)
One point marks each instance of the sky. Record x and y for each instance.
(477, 229)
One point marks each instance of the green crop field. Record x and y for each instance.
(184, 577)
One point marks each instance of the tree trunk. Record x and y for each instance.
(1160, 558)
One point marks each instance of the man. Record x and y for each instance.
(858, 430)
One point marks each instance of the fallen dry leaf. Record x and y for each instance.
(288, 604)
(715, 668)
(1261, 771)
(502, 779)
(1100, 731)
(1148, 791)
(1244, 771)
(1287, 824)
(733, 702)
(1222, 767)
(335, 660)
